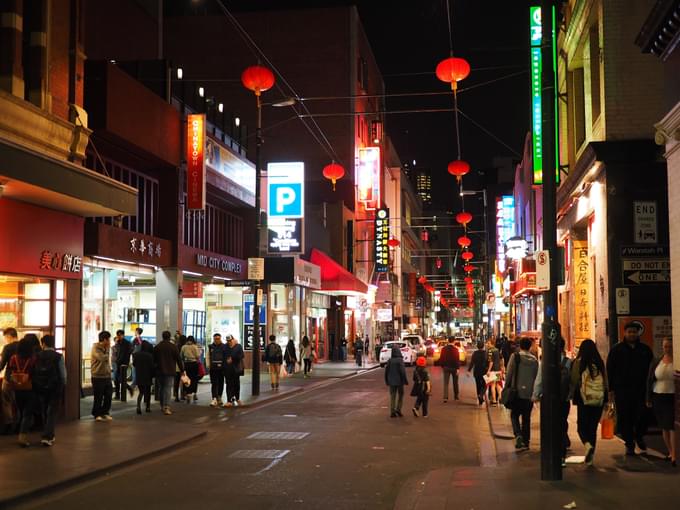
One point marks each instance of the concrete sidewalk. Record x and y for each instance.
(86, 449)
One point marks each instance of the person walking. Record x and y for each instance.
(122, 362)
(661, 398)
(588, 390)
(274, 358)
(627, 371)
(478, 367)
(136, 347)
(233, 370)
(290, 357)
(7, 401)
(449, 360)
(216, 362)
(306, 355)
(395, 378)
(142, 361)
(343, 348)
(522, 371)
(21, 367)
(166, 357)
(359, 351)
(191, 356)
(367, 348)
(422, 387)
(494, 371)
(178, 389)
(48, 381)
(100, 371)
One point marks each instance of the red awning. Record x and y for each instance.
(336, 279)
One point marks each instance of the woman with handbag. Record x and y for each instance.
(20, 370)
(191, 356)
(661, 398)
(306, 355)
(521, 375)
(233, 370)
(589, 394)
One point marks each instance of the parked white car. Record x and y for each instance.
(407, 351)
(416, 342)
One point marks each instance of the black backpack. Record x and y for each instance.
(46, 371)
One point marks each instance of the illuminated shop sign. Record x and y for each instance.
(505, 226)
(285, 207)
(368, 177)
(240, 174)
(536, 34)
(195, 156)
(382, 234)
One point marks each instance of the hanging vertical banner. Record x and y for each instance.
(382, 233)
(195, 156)
(581, 268)
(368, 177)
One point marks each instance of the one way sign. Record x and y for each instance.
(646, 277)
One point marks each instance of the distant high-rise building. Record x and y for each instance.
(424, 185)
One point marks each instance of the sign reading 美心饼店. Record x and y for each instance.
(382, 234)
(285, 207)
(581, 265)
(195, 157)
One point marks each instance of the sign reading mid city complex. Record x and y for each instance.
(382, 233)
(195, 156)
(285, 207)
(535, 36)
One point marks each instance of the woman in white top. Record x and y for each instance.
(661, 397)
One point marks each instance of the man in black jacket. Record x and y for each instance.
(166, 359)
(449, 360)
(478, 366)
(627, 369)
(122, 363)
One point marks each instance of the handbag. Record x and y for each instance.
(509, 393)
(608, 422)
(201, 369)
(185, 380)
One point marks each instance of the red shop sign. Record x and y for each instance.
(195, 156)
(39, 241)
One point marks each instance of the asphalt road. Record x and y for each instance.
(341, 450)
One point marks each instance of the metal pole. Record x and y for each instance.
(551, 406)
(256, 286)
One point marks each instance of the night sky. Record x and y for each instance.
(409, 38)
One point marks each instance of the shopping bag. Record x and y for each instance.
(283, 373)
(201, 370)
(608, 423)
(185, 380)
(489, 378)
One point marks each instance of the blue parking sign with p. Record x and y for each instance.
(285, 199)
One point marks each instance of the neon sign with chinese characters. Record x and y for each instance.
(505, 226)
(368, 177)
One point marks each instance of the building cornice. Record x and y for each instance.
(668, 131)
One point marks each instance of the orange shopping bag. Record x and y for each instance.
(607, 423)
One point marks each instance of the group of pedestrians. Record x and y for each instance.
(33, 385)
(225, 366)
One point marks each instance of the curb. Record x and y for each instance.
(494, 433)
(96, 473)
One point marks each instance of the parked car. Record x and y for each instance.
(407, 351)
(416, 342)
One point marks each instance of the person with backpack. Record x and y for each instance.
(274, 358)
(522, 372)
(565, 394)
(627, 371)
(478, 367)
(216, 369)
(588, 390)
(395, 379)
(49, 380)
(142, 361)
(290, 357)
(449, 360)
(422, 387)
(358, 351)
(21, 367)
(306, 355)
(100, 371)
(7, 400)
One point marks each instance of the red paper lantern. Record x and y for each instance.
(333, 172)
(464, 218)
(464, 241)
(467, 255)
(428, 287)
(438, 263)
(452, 70)
(422, 280)
(468, 279)
(446, 286)
(393, 243)
(258, 79)
(458, 169)
(424, 235)
(469, 267)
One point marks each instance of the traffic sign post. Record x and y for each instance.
(646, 271)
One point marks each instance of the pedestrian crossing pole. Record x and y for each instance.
(551, 405)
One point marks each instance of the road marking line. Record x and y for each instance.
(278, 435)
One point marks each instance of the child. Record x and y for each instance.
(422, 387)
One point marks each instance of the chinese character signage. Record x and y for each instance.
(65, 262)
(195, 156)
(581, 269)
(285, 207)
(368, 177)
(382, 235)
(505, 226)
(145, 248)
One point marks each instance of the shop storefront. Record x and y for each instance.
(40, 272)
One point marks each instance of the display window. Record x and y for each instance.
(34, 305)
(284, 306)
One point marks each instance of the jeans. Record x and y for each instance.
(103, 390)
(358, 356)
(396, 398)
(343, 351)
(26, 407)
(308, 365)
(424, 400)
(49, 406)
(165, 382)
(217, 382)
(630, 418)
(274, 374)
(587, 421)
(144, 392)
(233, 387)
(521, 408)
(290, 367)
(120, 380)
(481, 387)
(448, 373)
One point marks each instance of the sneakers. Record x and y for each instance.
(590, 453)
(213, 403)
(108, 417)
(228, 404)
(415, 412)
(47, 442)
(519, 443)
(167, 411)
(100, 418)
(23, 441)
